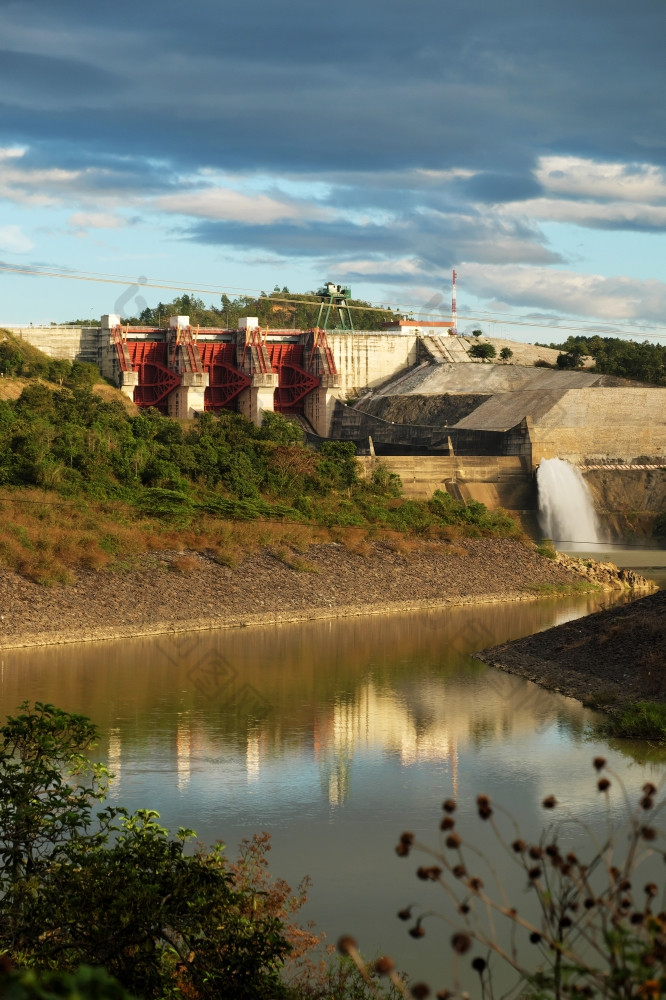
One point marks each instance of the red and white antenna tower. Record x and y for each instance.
(454, 308)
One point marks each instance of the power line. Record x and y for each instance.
(559, 324)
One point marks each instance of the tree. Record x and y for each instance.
(477, 333)
(506, 354)
(115, 889)
(484, 351)
(570, 359)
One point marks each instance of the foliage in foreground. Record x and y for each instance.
(592, 925)
(115, 889)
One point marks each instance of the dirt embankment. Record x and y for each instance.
(608, 658)
(173, 591)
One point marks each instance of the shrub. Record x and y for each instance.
(483, 351)
(118, 890)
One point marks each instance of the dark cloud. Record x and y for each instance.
(287, 86)
(493, 187)
(436, 241)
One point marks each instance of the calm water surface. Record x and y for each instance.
(333, 736)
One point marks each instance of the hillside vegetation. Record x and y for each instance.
(84, 482)
(281, 309)
(645, 362)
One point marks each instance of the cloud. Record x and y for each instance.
(566, 292)
(233, 206)
(14, 240)
(96, 220)
(571, 176)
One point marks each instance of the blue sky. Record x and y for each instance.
(241, 146)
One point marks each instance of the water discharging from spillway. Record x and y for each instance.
(566, 509)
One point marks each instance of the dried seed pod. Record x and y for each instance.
(549, 802)
(536, 852)
(461, 943)
(534, 873)
(405, 914)
(459, 871)
(420, 991)
(479, 965)
(384, 965)
(447, 823)
(453, 840)
(449, 805)
(603, 784)
(519, 846)
(346, 945)
(535, 937)
(417, 931)
(599, 763)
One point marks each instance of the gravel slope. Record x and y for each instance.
(156, 597)
(607, 658)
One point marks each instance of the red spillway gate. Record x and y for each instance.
(294, 381)
(157, 377)
(156, 380)
(225, 380)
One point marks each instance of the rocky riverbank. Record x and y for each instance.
(608, 659)
(177, 591)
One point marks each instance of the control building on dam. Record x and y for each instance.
(410, 394)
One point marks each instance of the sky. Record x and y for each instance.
(241, 146)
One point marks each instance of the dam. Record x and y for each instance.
(411, 397)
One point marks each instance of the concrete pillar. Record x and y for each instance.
(318, 407)
(126, 383)
(188, 399)
(254, 401)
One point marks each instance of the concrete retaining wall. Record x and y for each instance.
(366, 359)
(625, 425)
(66, 343)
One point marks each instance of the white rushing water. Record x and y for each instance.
(566, 509)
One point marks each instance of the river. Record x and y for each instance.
(334, 736)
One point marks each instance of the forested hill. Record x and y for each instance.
(630, 359)
(280, 310)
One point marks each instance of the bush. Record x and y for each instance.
(116, 889)
(483, 351)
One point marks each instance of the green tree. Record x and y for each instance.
(506, 354)
(483, 351)
(570, 359)
(115, 889)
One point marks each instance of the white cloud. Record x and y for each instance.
(14, 240)
(225, 204)
(580, 178)
(616, 215)
(96, 220)
(405, 267)
(568, 293)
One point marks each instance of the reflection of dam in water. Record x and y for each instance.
(413, 723)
